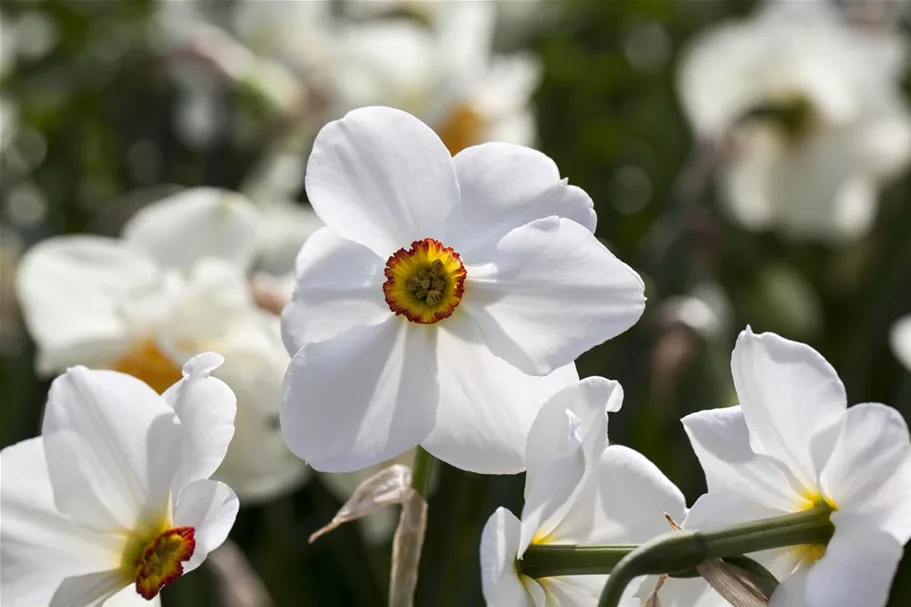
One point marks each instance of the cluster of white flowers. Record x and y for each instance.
(442, 305)
(433, 59)
(443, 292)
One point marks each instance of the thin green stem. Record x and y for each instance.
(551, 560)
(421, 471)
(683, 550)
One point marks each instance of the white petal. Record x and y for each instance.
(39, 546)
(128, 597)
(112, 446)
(486, 405)
(721, 441)
(210, 507)
(88, 590)
(869, 473)
(576, 590)
(200, 222)
(722, 508)
(900, 339)
(339, 286)
(548, 494)
(623, 502)
(499, 544)
(206, 408)
(792, 400)
(382, 178)
(504, 187)
(72, 290)
(551, 292)
(791, 592)
(362, 397)
(589, 400)
(857, 569)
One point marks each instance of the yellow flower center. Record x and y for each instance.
(461, 128)
(154, 561)
(424, 283)
(147, 362)
(794, 115)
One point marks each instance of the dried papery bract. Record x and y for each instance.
(388, 487)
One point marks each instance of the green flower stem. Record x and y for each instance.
(682, 550)
(552, 560)
(421, 471)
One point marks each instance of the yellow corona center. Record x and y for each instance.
(461, 128)
(794, 116)
(154, 557)
(810, 553)
(424, 283)
(147, 362)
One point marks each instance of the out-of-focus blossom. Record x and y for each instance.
(206, 61)
(440, 67)
(793, 445)
(444, 72)
(173, 286)
(810, 113)
(445, 299)
(579, 490)
(900, 340)
(113, 501)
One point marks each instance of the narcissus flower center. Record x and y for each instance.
(424, 283)
(147, 362)
(461, 128)
(159, 561)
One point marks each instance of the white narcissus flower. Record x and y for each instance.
(579, 490)
(445, 73)
(813, 113)
(483, 96)
(900, 339)
(793, 444)
(437, 292)
(113, 501)
(172, 287)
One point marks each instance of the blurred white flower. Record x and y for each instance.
(440, 287)
(444, 72)
(113, 500)
(811, 113)
(206, 60)
(900, 340)
(174, 286)
(579, 490)
(793, 444)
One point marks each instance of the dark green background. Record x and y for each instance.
(101, 90)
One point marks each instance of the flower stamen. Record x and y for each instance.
(424, 283)
(161, 561)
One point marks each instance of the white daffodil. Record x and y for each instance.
(172, 287)
(812, 113)
(793, 444)
(438, 289)
(579, 490)
(113, 501)
(900, 339)
(444, 72)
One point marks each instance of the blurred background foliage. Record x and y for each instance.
(95, 124)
